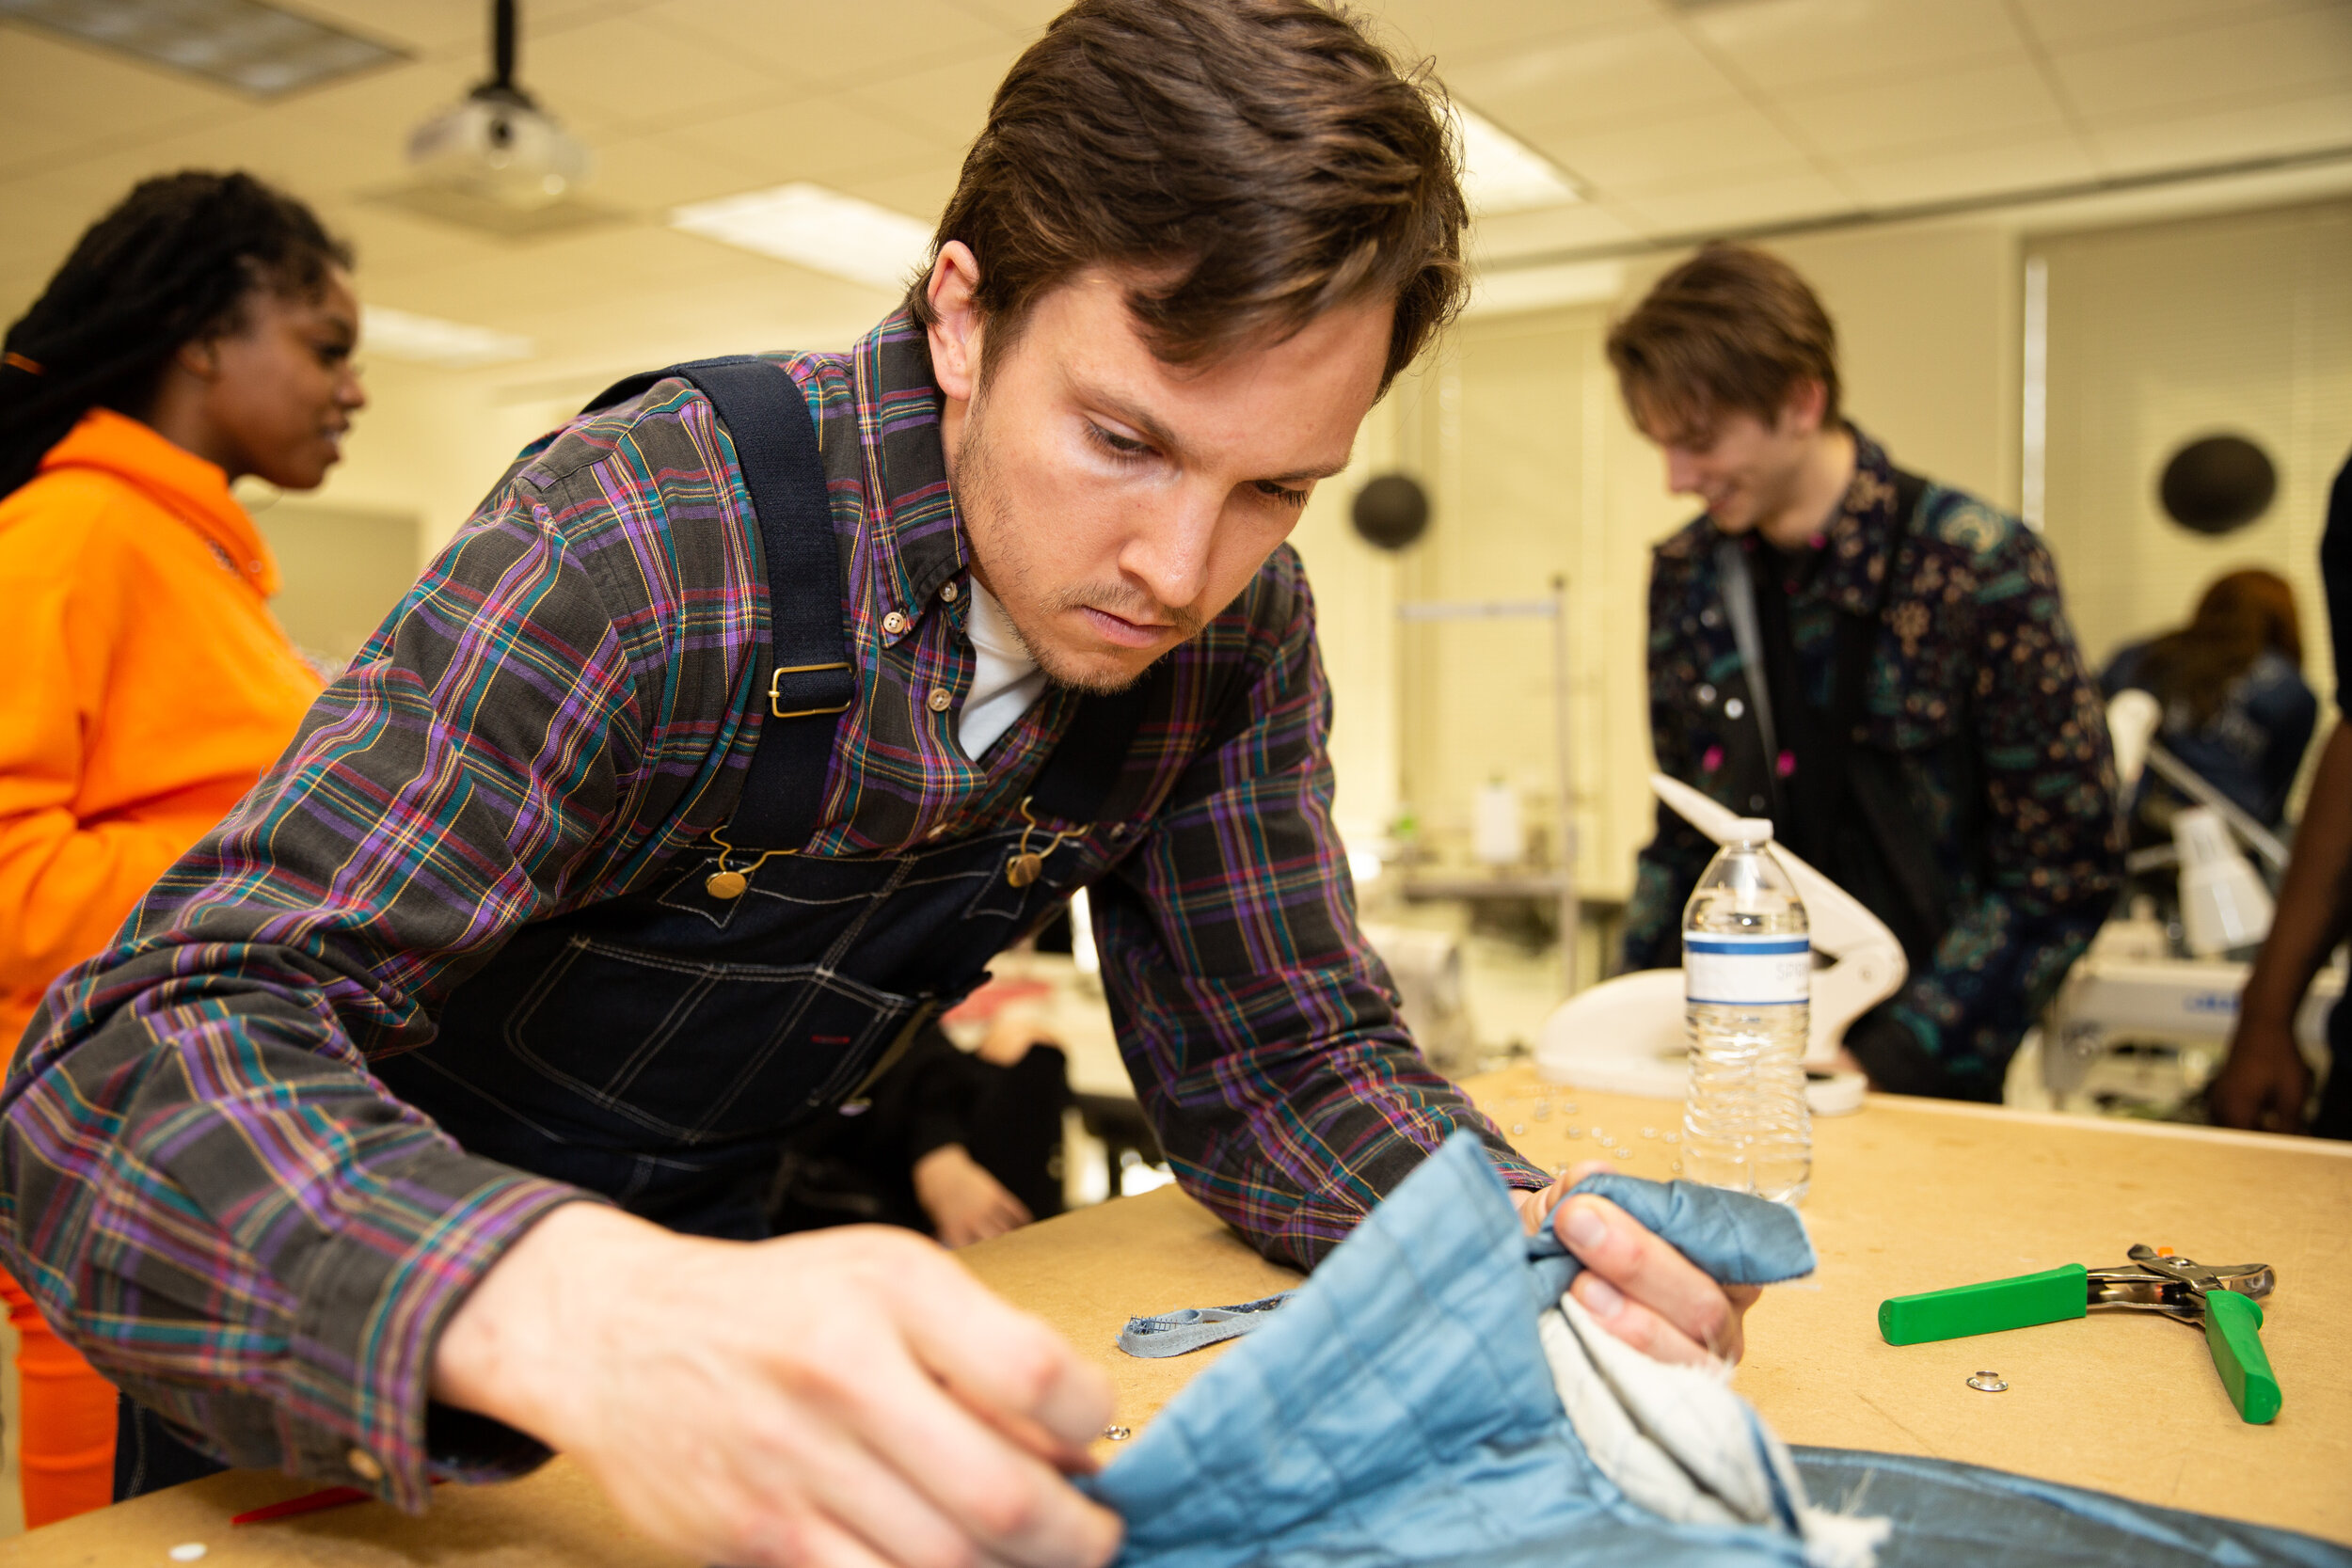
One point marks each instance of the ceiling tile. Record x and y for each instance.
(1719, 209)
(920, 191)
(2254, 128)
(1975, 170)
(1608, 76)
(1969, 102)
(833, 45)
(457, 27)
(1452, 30)
(2072, 22)
(1642, 154)
(2177, 70)
(58, 98)
(1782, 43)
(1509, 234)
(651, 174)
(627, 72)
(821, 139)
(946, 103)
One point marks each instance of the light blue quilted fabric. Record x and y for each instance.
(1398, 1411)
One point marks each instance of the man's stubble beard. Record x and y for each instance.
(981, 499)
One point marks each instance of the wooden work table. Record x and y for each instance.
(1907, 1195)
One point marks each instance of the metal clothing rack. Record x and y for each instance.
(1561, 883)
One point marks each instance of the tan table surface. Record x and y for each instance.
(1908, 1195)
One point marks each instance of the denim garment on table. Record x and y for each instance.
(1400, 1409)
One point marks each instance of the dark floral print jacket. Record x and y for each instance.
(1976, 691)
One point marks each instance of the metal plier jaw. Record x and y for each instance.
(2176, 1287)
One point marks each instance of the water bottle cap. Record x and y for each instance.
(1750, 830)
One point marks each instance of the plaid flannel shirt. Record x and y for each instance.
(214, 1200)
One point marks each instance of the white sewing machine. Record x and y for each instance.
(2131, 986)
(1625, 1036)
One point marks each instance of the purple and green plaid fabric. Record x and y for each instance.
(212, 1196)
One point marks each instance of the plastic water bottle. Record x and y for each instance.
(1747, 984)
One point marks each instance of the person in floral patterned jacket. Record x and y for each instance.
(1880, 663)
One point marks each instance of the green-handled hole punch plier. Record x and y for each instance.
(2220, 1300)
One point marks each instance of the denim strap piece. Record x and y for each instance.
(1189, 1328)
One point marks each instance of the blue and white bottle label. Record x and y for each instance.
(1747, 972)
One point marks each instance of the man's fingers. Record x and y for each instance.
(1653, 1274)
(1635, 1324)
(885, 1512)
(988, 1481)
(804, 1538)
(1002, 1361)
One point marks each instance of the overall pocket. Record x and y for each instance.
(700, 1052)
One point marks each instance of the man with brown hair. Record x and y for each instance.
(750, 715)
(1878, 662)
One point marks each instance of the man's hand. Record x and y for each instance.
(2265, 1084)
(846, 1397)
(1642, 1289)
(964, 1202)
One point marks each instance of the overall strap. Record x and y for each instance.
(811, 680)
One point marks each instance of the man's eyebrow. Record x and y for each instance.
(1161, 437)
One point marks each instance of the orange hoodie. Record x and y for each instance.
(144, 686)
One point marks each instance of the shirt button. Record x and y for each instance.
(364, 1464)
(1735, 708)
(940, 700)
(1710, 616)
(894, 623)
(936, 832)
(948, 591)
(1706, 694)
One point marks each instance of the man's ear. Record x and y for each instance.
(1801, 411)
(956, 326)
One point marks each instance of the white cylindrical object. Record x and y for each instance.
(2224, 905)
(1496, 835)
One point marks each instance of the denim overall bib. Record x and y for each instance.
(657, 1048)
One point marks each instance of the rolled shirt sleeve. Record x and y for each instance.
(205, 1188)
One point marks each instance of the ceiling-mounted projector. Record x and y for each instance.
(497, 144)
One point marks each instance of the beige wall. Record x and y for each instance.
(2162, 333)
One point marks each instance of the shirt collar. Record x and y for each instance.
(915, 522)
(1857, 546)
(191, 489)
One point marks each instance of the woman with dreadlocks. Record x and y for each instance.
(199, 332)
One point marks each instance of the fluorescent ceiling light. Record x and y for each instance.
(1503, 174)
(816, 227)
(430, 340)
(245, 44)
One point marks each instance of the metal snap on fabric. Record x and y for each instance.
(1988, 1382)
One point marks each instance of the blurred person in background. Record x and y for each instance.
(2235, 705)
(199, 332)
(2265, 1083)
(1880, 663)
